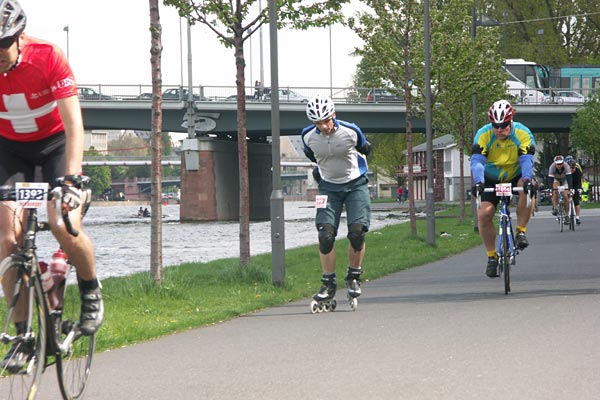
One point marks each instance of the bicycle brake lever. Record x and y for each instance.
(57, 195)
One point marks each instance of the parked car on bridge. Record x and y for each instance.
(180, 95)
(87, 93)
(144, 96)
(383, 96)
(569, 96)
(285, 96)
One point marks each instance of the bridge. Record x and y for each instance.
(209, 173)
(221, 117)
(217, 115)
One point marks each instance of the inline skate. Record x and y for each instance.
(353, 284)
(324, 300)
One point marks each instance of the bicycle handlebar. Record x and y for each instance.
(54, 194)
(514, 190)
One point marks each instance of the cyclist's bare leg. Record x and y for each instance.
(79, 249)
(10, 229)
(555, 194)
(567, 199)
(485, 222)
(523, 212)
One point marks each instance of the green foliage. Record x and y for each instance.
(584, 131)
(569, 36)
(389, 152)
(100, 178)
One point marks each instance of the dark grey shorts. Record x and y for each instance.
(18, 160)
(353, 195)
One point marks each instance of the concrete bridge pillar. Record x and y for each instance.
(210, 180)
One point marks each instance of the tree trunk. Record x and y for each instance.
(240, 82)
(409, 146)
(156, 176)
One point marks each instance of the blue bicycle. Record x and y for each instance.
(505, 247)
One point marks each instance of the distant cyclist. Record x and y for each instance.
(502, 152)
(559, 174)
(577, 174)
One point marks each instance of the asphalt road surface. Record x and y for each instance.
(440, 331)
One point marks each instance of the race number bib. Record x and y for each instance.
(504, 189)
(31, 194)
(321, 201)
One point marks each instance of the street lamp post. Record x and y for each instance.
(504, 17)
(540, 33)
(66, 29)
(484, 21)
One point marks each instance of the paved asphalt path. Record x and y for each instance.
(440, 331)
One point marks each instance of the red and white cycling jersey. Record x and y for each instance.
(28, 108)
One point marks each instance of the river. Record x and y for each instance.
(122, 241)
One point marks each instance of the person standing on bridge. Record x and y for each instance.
(503, 152)
(339, 148)
(41, 126)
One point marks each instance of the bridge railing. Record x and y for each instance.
(299, 94)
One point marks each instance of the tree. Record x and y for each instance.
(156, 178)
(571, 29)
(234, 22)
(459, 72)
(100, 178)
(391, 36)
(584, 131)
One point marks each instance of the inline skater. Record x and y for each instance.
(577, 175)
(503, 152)
(339, 148)
(559, 173)
(41, 125)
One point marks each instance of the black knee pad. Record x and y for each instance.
(327, 233)
(356, 236)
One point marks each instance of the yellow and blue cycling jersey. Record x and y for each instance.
(496, 160)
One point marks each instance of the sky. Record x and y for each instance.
(109, 43)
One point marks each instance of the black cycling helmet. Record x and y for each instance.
(12, 19)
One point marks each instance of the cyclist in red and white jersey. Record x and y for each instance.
(41, 126)
(559, 174)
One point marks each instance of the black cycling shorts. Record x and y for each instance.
(18, 160)
(491, 196)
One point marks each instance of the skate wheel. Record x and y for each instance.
(353, 303)
(333, 305)
(314, 307)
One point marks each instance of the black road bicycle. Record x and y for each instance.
(51, 335)
(506, 249)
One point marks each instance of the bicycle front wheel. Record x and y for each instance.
(74, 351)
(561, 218)
(572, 217)
(21, 379)
(505, 258)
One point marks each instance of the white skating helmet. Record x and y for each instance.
(12, 19)
(320, 108)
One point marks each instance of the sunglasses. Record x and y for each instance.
(500, 126)
(6, 42)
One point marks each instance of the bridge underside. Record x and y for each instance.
(220, 119)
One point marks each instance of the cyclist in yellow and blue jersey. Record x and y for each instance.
(503, 152)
